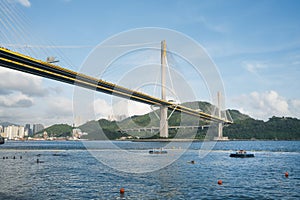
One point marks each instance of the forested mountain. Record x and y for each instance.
(280, 128)
(244, 127)
(57, 130)
(101, 130)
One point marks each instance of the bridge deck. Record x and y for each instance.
(20, 62)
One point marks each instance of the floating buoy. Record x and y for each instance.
(122, 191)
(220, 182)
(286, 174)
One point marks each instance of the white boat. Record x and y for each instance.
(158, 151)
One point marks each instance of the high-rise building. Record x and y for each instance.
(12, 131)
(28, 131)
(21, 132)
(37, 127)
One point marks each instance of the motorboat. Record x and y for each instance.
(158, 151)
(241, 154)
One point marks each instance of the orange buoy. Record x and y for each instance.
(122, 191)
(220, 182)
(286, 174)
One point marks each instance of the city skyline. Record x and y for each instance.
(254, 44)
(17, 130)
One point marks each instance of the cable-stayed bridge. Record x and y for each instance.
(24, 63)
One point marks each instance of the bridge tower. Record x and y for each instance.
(163, 109)
(220, 124)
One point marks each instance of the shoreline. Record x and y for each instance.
(197, 140)
(152, 140)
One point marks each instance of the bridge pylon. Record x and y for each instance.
(164, 126)
(220, 124)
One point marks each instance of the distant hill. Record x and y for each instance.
(5, 124)
(276, 128)
(237, 115)
(244, 127)
(57, 130)
(101, 130)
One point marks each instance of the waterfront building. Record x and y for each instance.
(28, 131)
(21, 132)
(37, 127)
(11, 131)
(14, 132)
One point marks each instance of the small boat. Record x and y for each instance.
(241, 154)
(158, 151)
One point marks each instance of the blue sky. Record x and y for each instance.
(254, 44)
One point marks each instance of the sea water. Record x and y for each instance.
(68, 170)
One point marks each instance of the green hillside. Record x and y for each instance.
(280, 128)
(237, 116)
(101, 130)
(244, 127)
(57, 130)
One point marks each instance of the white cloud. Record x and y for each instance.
(254, 67)
(26, 98)
(12, 81)
(295, 107)
(130, 108)
(20, 109)
(102, 108)
(124, 107)
(25, 3)
(15, 100)
(263, 105)
(219, 28)
(59, 107)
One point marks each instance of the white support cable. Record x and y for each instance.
(49, 46)
(128, 45)
(172, 112)
(17, 18)
(27, 23)
(156, 83)
(12, 23)
(158, 117)
(3, 32)
(72, 46)
(16, 29)
(170, 77)
(4, 22)
(16, 37)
